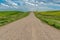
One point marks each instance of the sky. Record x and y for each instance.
(30, 5)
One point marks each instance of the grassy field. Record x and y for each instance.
(50, 17)
(10, 16)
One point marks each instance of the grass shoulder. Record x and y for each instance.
(50, 17)
(11, 16)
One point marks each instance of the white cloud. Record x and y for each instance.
(2, 4)
(42, 3)
(12, 4)
(53, 4)
(30, 3)
(44, 8)
(50, 3)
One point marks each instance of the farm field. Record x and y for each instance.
(10, 16)
(50, 17)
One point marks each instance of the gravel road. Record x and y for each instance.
(29, 28)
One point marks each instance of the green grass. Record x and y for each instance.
(10, 16)
(50, 17)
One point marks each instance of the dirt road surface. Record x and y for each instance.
(29, 28)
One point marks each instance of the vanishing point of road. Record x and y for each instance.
(29, 28)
